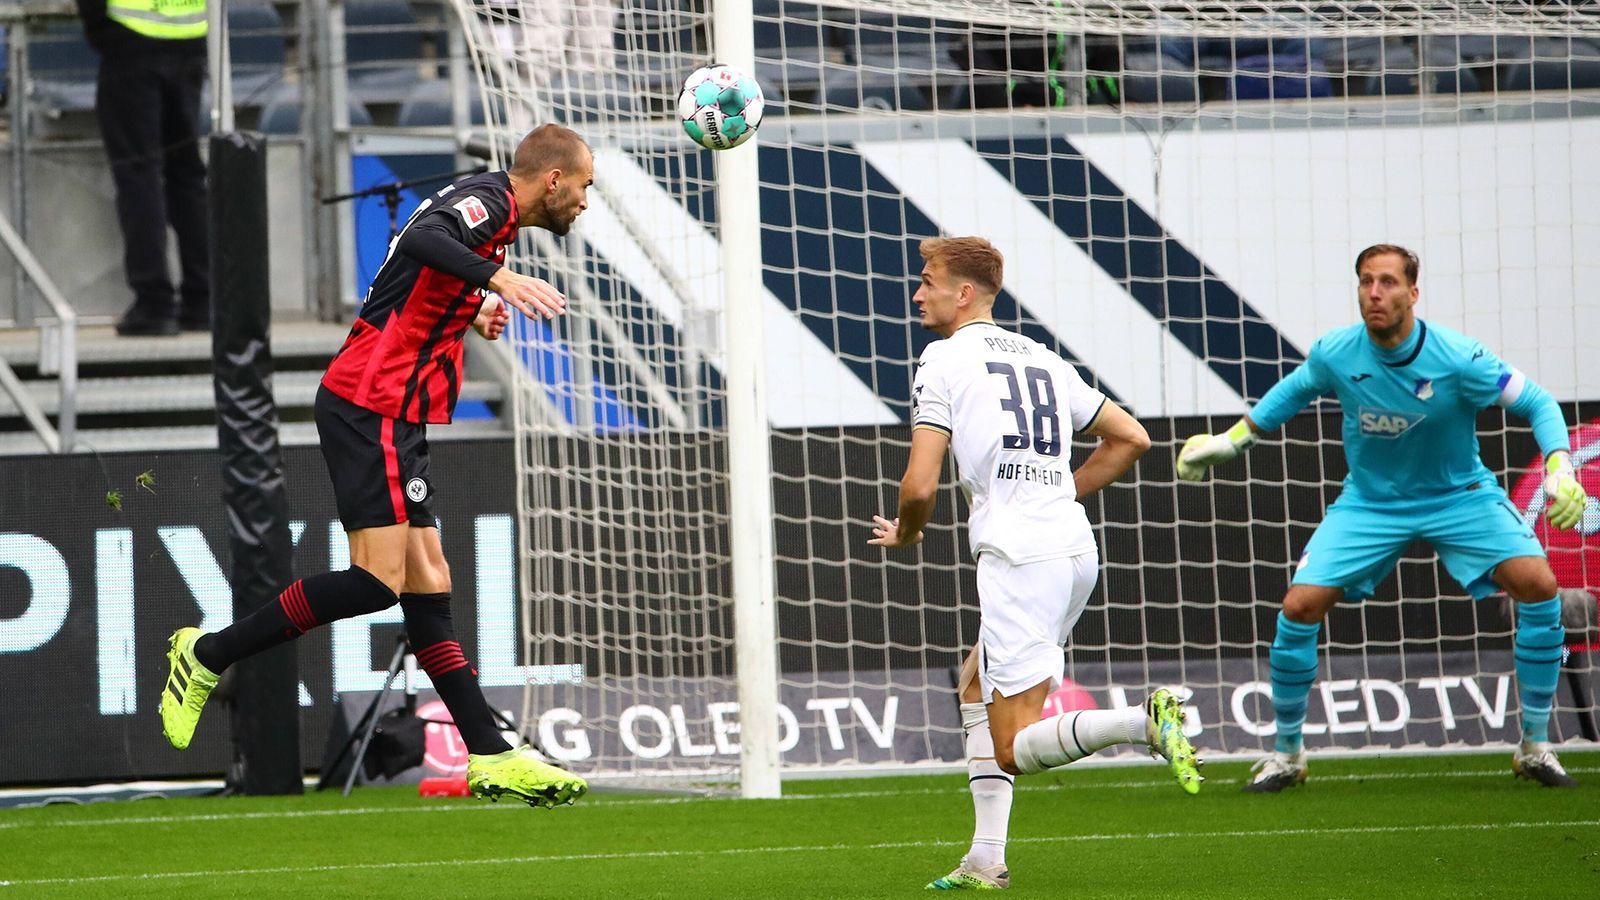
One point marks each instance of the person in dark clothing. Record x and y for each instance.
(147, 101)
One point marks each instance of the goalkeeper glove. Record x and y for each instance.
(1205, 450)
(1564, 497)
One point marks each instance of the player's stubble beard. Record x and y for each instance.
(555, 222)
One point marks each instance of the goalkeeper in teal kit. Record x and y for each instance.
(1410, 393)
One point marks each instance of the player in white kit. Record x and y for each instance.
(1006, 405)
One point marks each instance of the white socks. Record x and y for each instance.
(991, 790)
(1042, 745)
(1073, 735)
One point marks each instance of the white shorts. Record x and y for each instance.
(1026, 613)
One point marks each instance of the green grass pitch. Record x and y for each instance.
(1429, 826)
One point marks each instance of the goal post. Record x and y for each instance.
(749, 448)
(1179, 191)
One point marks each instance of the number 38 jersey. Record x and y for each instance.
(1009, 405)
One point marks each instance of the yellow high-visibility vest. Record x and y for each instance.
(168, 20)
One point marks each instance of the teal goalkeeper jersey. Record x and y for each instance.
(1410, 414)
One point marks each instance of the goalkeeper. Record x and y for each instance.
(1410, 394)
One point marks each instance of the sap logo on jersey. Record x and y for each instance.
(1387, 423)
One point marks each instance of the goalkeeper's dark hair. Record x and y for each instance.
(548, 147)
(968, 259)
(1412, 264)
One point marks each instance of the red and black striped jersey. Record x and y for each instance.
(402, 358)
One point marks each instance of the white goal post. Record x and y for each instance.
(1179, 189)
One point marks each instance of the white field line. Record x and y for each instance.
(700, 853)
(672, 801)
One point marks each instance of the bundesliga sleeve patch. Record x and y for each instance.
(472, 210)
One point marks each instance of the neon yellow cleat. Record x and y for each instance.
(518, 773)
(1164, 729)
(188, 686)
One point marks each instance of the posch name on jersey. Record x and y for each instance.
(1007, 345)
(1022, 472)
(472, 210)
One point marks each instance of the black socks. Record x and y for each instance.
(301, 607)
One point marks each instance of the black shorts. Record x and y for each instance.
(379, 465)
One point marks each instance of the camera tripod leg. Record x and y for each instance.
(361, 736)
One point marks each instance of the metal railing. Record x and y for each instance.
(63, 361)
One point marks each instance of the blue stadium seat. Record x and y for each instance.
(281, 113)
(790, 49)
(1401, 74)
(1471, 49)
(658, 45)
(849, 87)
(916, 50)
(429, 104)
(1158, 78)
(63, 66)
(1279, 77)
(584, 97)
(255, 50)
(1554, 64)
(1552, 75)
(383, 50)
(61, 69)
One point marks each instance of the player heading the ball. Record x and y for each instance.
(398, 372)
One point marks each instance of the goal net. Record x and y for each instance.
(1179, 190)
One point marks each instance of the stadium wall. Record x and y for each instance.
(89, 593)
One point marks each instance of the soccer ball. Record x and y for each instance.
(720, 106)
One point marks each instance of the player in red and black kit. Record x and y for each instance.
(398, 371)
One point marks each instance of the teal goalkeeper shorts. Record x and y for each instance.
(1359, 542)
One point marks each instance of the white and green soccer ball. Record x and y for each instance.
(720, 106)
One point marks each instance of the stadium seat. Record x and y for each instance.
(1473, 49)
(1278, 77)
(1158, 78)
(848, 87)
(429, 104)
(281, 113)
(996, 68)
(1355, 56)
(1552, 75)
(585, 97)
(255, 50)
(912, 45)
(62, 70)
(920, 51)
(658, 45)
(1554, 64)
(791, 47)
(383, 50)
(1402, 74)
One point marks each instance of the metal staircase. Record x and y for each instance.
(157, 393)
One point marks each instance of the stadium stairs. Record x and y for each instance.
(157, 393)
